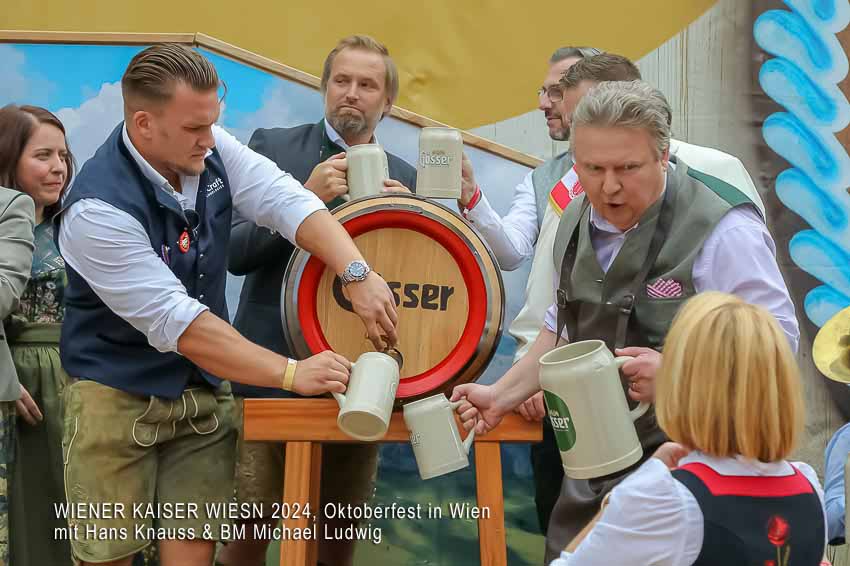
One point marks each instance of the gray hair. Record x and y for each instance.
(630, 104)
(572, 53)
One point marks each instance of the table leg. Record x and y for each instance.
(491, 531)
(302, 479)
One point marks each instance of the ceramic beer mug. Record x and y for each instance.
(587, 406)
(367, 404)
(367, 170)
(434, 436)
(440, 154)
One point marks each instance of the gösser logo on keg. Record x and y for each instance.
(427, 296)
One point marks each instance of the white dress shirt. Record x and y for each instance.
(112, 251)
(658, 519)
(511, 237)
(738, 257)
(334, 136)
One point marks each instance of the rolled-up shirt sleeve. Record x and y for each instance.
(261, 192)
(112, 252)
(512, 236)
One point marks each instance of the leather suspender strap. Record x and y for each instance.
(627, 302)
(566, 317)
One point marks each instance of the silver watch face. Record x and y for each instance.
(357, 270)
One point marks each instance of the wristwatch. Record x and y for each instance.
(357, 270)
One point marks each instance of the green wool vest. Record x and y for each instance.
(545, 177)
(597, 299)
(698, 202)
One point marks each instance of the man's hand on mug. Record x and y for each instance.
(479, 408)
(373, 302)
(393, 186)
(467, 181)
(641, 371)
(328, 178)
(325, 372)
(533, 409)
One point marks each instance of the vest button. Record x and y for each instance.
(201, 255)
(201, 276)
(201, 297)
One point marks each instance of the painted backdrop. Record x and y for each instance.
(81, 84)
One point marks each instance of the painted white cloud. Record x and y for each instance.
(17, 86)
(278, 110)
(90, 124)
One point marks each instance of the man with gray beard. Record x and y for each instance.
(359, 84)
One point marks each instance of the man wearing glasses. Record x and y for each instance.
(533, 218)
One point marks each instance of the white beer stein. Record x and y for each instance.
(593, 426)
(434, 436)
(367, 170)
(439, 172)
(367, 405)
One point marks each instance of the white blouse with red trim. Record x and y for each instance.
(652, 518)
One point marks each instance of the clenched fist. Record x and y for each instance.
(325, 372)
(328, 179)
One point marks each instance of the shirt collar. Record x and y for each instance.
(334, 136)
(189, 183)
(148, 171)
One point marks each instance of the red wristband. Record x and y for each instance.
(476, 196)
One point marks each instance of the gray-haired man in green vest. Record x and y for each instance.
(648, 233)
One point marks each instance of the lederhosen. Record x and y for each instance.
(756, 519)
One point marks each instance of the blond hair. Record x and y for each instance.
(365, 43)
(154, 72)
(728, 382)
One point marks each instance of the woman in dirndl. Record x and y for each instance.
(35, 159)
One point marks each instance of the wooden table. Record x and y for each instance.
(305, 424)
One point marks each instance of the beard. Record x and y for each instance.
(563, 133)
(348, 123)
(560, 135)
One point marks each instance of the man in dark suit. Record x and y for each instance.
(359, 84)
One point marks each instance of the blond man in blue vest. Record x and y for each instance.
(681, 232)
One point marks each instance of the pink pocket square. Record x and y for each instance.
(664, 289)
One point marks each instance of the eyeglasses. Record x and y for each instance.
(554, 93)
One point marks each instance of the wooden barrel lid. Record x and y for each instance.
(446, 282)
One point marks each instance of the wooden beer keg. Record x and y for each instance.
(447, 287)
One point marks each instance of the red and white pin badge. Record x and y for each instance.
(184, 242)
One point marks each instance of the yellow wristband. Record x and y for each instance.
(289, 375)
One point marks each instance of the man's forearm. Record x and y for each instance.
(325, 238)
(218, 348)
(522, 381)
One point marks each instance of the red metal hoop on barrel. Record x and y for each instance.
(446, 283)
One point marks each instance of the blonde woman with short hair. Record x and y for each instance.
(728, 395)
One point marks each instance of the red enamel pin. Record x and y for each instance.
(184, 242)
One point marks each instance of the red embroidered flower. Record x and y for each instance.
(777, 531)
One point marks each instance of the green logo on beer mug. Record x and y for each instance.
(562, 421)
